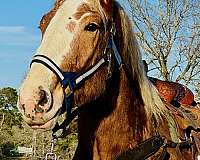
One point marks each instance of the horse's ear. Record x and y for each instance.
(107, 4)
(106, 1)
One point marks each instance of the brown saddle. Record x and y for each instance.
(186, 113)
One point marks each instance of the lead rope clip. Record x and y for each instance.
(51, 155)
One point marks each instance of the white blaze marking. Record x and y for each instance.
(56, 41)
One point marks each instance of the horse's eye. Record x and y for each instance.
(91, 27)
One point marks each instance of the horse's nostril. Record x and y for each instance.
(42, 98)
(36, 103)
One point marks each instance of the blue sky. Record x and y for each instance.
(19, 37)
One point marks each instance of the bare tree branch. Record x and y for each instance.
(169, 35)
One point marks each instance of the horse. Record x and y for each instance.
(89, 57)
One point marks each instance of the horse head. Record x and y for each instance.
(75, 40)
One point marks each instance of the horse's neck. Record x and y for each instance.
(121, 125)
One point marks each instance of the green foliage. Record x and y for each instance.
(8, 98)
(9, 114)
(65, 143)
(13, 118)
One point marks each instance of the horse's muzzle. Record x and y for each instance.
(34, 105)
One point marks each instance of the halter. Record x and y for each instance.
(71, 81)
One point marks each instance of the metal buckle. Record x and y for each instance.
(51, 154)
(68, 91)
(113, 29)
(109, 59)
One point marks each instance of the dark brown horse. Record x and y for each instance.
(89, 55)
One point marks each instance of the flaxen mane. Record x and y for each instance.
(131, 52)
